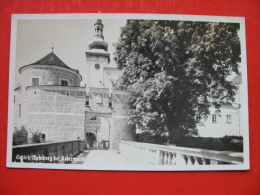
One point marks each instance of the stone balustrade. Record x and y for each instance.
(114, 145)
(153, 154)
(54, 152)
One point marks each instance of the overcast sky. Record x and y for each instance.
(69, 37)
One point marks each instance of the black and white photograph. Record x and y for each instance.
(133, 92)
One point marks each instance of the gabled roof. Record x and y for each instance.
(50, 59)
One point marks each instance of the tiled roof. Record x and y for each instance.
(50, 59)
(237, 79)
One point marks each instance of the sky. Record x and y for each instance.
(70, 38)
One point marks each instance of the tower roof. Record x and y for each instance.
(50, 59)
(98, 41)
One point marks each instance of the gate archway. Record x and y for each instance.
(91, 140)
(99, 125)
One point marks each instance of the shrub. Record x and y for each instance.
(231, 139)
(148, 138)
(20, 136)
(226, 143)
(37, 137)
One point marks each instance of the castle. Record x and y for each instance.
(51, 101)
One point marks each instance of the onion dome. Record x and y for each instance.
(98, 41)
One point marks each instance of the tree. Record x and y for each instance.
(173, 68)
(20, 136)
(37, 137)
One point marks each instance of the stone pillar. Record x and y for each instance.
(161, 158)
(189, 160)
(170, 158)
(196, 160)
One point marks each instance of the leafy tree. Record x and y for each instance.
(20, 136)
(173, 69)
(36, 137)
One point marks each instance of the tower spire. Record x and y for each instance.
(52, 48)
(99, 29)
(98, 41)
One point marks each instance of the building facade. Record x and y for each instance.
(226, 120)
(50, 100)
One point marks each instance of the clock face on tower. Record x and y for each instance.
(97, 66)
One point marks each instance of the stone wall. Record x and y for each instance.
(56, 112)
(117, 115)
(120, 114)
(17, 109)
(59, 111)
(48, 75)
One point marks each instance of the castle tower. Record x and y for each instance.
(97, 57)
(106, 110)
(50, 100)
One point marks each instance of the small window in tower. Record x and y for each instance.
(20, 110)
(35, 81)
(63, 82)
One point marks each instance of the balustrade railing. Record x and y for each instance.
(54, 152)
(114, 145)
(154, 154)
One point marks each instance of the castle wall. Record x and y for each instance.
(117, 115)
(17, 109)
(57, 112)
(121, 107)
(48, 75)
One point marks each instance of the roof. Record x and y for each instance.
(237, 79)
(50, 59)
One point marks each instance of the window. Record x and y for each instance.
(228, 118)
(214, 118)
(63, 82)
(43, 138)
(20, 110)
(35, 81)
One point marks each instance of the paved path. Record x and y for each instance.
(103, 157)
